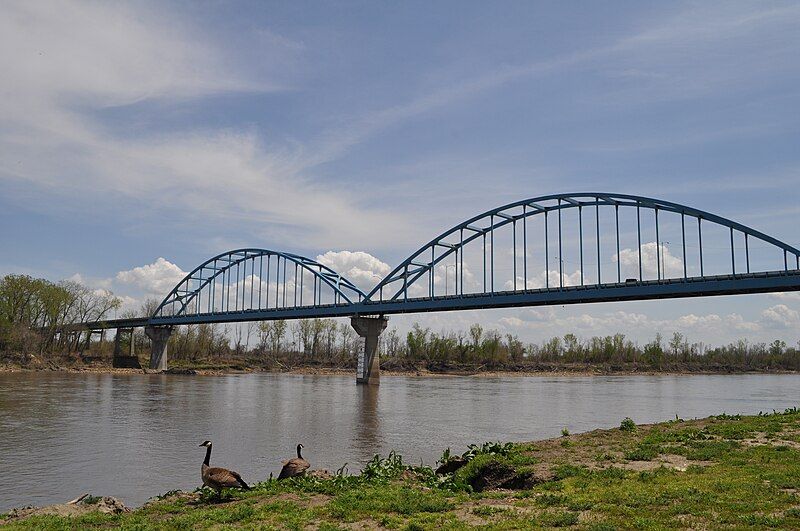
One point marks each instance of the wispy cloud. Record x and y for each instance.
(50, 139)
(125, 56)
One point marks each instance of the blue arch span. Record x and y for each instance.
(425, 259)
(204, 277)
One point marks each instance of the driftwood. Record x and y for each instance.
(78, 499)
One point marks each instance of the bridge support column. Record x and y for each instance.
(369, 370)
(121, 361)
(159, 338)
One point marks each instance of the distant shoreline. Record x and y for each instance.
(553, 371)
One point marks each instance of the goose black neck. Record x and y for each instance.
(208, 455)
(298, 452)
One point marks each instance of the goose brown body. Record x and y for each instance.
(295, 467)
(217, 477)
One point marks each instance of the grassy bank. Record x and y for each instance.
(719, 472)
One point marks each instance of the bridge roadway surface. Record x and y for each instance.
(629, 291)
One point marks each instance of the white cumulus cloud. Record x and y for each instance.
(780, 316)
(653, 256)
(545, 278)
(548, 321)
(362, 269)
(155, 279)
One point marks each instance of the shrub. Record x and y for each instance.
(487, 448)
(627, 424)
(388, 468)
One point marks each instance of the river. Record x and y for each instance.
(134, 436)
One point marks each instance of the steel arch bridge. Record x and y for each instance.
(716, 256)
(617, 247)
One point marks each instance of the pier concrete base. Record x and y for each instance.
(159, 339)
(123, 361)
(369, 370)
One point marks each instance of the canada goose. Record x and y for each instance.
(294, 467)
(217, 477)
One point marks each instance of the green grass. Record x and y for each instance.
(746, 475)
(643, 452)
(558, 519)
(367, 502)
(490, 510)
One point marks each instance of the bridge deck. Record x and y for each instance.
(766, 282)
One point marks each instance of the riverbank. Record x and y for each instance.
(723, 471)
(438, 370)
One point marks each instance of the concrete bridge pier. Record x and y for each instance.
(120, 360)
(369, 370)
(159, 339)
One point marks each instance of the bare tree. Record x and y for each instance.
(149, 307)
(278, 333)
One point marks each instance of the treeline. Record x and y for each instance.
(493, 350)
(280, 344)
(319, 342)
(32, 310)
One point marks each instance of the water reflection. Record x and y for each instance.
(134, 436)
(370, 437)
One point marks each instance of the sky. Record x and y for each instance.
(138, 139)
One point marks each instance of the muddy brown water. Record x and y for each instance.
(135, 436)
